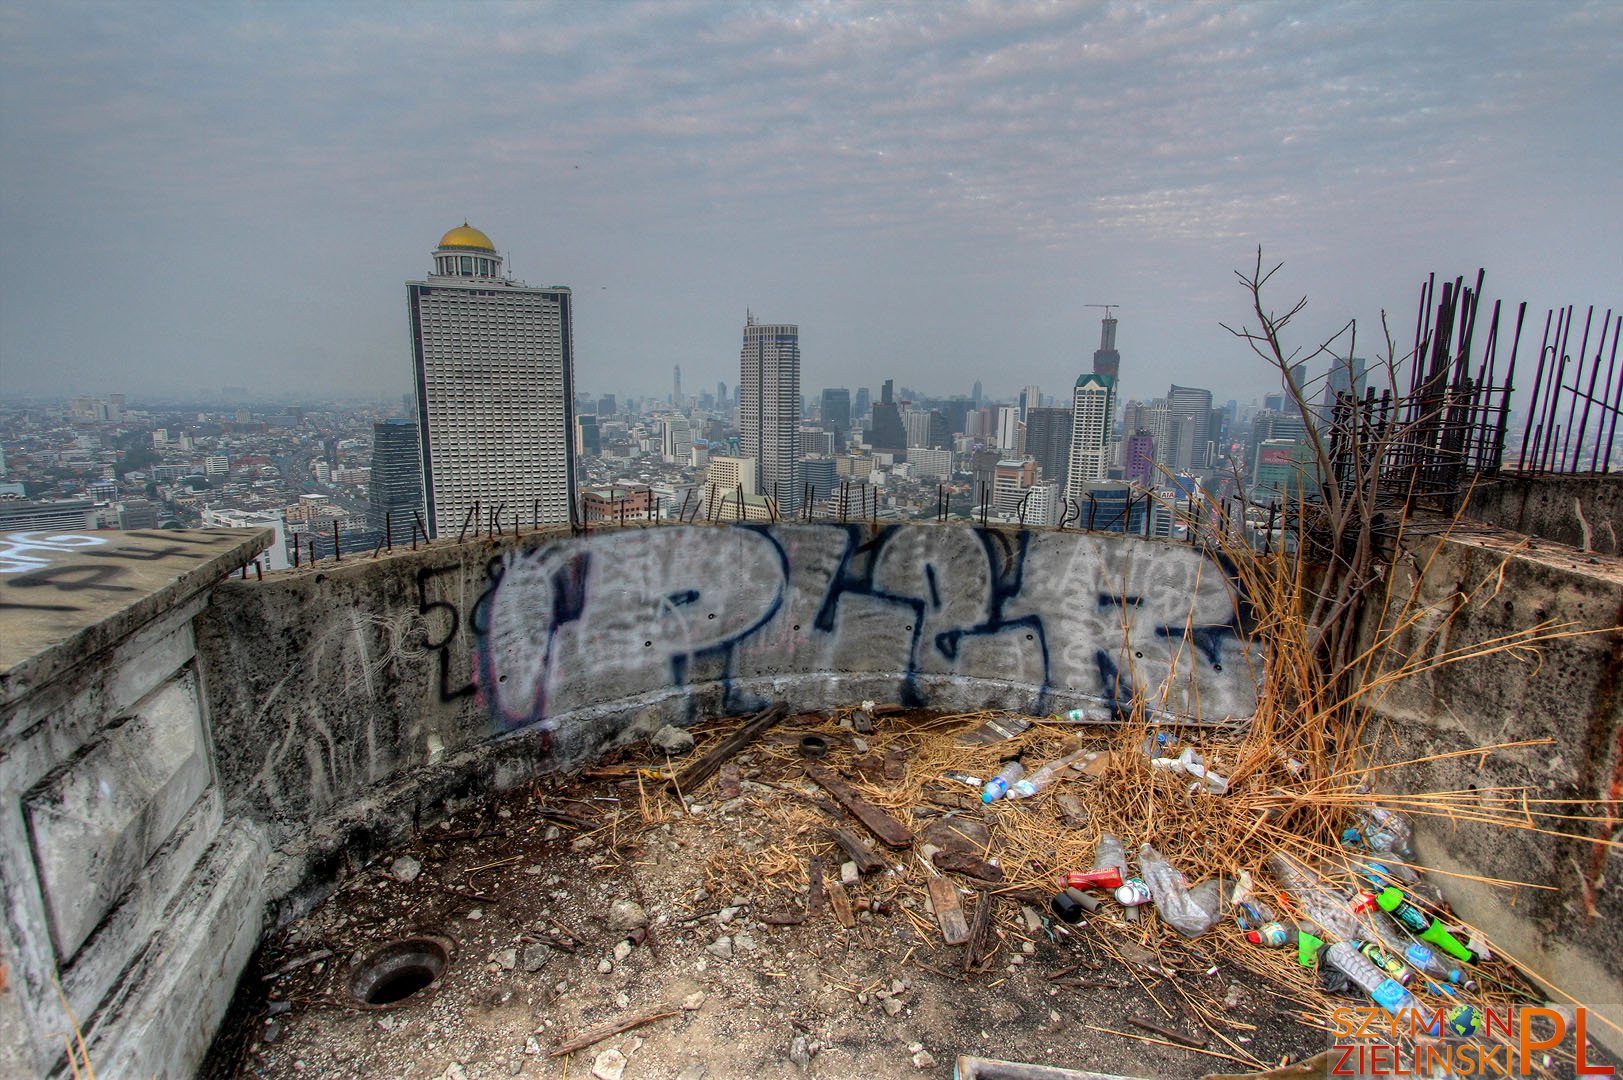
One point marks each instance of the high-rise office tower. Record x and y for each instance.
(606, 405)
(769, 408)
(887, 432)
(1093, 411)
(588, 439)
(721, 395)
(1106, 360)
(1139, 458)
(1030, 398)
(836, 412)
(494, 362)
(975, 393)
(1011, 433)
(863, 403)
(1048, 440)
(676, 388)
(676, 438)
(395, 489)
(1186, 403)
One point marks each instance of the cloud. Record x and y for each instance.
(1070, 142)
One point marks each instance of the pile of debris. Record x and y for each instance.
(877, 891)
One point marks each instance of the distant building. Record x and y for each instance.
(1138, 458)
(1106, 360)
(818, 474)
(731, 473)
(924, 427)
(137, 514)
(930, 464)
(1093, 409)
(835, 411)
(1283, 470)
(887, 432)
(675, 438)
(1111, 506)
(274, 557)
(588, 436)
(71, 515)
(1048, 440)
(1030, 398)
(494, 368)
(617, 504)
(860, 407)
(606, 405)
(1011, 432)
(1190, 403)
(769, 408)
(395, 486)
(1010, 480)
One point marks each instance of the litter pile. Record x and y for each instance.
(875, 891)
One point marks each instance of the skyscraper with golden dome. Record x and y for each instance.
(494, 364)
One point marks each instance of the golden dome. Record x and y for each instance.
(466, 236)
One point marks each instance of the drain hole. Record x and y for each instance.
(401, 985)
(399, 970)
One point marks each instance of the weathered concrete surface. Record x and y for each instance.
(65, 597)
(1568, 691)
(1550, 507)
(347, 699)
(110, 816)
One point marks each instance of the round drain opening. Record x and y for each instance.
(399, 971)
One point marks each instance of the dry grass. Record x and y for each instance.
(1310, 756)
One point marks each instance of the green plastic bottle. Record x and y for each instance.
(1396, 904)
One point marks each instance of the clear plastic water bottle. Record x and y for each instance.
(999, 785)
(1386, 830)
(1387, 992)
(1029, 785)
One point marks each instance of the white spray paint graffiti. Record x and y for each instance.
(631, 613)
(25, 551)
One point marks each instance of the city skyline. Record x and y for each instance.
(1040, 158)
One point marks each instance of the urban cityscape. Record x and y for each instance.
(501, 435)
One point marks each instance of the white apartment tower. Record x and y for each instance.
(769, 408)
(1093, 412)
(494, 362)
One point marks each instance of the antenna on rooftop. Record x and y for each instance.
(1107, 307)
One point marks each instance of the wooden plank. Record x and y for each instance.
(977, 955)
(858, 852)
(895, 764)
(892, 832)
(705, 767)
(949, 913)
(841, 905)
(816, 895)
(958, 862)
(626, 1023)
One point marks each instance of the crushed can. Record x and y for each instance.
(1133, 893)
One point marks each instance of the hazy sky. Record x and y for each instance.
(224, 194)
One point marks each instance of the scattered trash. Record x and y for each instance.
(999, 785)
(1190, 911)
(813, 746)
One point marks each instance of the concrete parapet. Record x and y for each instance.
(349, 698)
(126, 893)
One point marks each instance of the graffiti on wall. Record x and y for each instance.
(644, 612)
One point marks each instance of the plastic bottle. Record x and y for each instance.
(1270, 935)
(1396, 904)
(1029, 785)
(1386, 830)
(1110, 854)
(1191, 912)
(1386, 962)
(1387, 992)
(1328, 907)
(999, 785)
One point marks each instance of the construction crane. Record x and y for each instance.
(1107, 307)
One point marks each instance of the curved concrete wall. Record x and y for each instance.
(347, 699)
